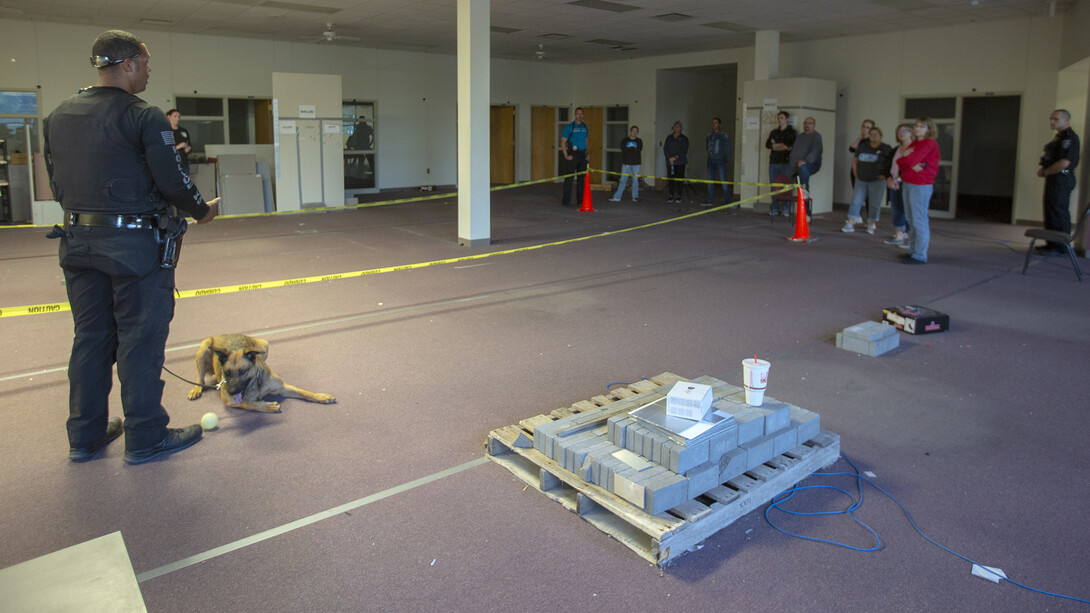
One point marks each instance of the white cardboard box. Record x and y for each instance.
(689, 400)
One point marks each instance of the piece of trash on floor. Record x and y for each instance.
(988, 572)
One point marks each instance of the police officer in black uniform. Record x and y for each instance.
(1058, 169)
(181, 137)
(114, 168)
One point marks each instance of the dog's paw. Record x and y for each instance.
(272, 407)
(196, 392)
(324, 399)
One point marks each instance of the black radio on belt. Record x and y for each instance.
(169, 236)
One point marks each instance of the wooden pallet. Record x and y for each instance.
(659, 539)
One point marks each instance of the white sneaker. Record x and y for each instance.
(848, 226)
(871, 227)
(614, 199)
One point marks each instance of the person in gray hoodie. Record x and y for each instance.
(806, 158)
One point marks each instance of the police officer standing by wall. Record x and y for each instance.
(114, 168)
(1058, 169)
(573, 143)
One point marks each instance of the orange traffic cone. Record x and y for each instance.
(802, 227)
(587, 206)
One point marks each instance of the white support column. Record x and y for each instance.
(766, 55)
(474, 199)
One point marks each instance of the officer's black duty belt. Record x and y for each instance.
(131, 222)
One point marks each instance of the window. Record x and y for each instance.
(943, 111)
(18, 103)
(616, 131)
(360, 145)
(221, 121)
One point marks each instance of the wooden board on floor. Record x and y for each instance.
(659, 539)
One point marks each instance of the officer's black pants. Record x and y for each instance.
(1057, 202)
(122, 304)
(578, 163)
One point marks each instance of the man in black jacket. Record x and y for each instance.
(115, 170)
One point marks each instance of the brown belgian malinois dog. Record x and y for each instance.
(243, 378)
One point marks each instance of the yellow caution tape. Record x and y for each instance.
(38, 309)
(362, 205)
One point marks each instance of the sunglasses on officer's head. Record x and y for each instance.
(102, 61)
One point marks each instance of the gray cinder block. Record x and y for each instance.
(630, 436)
(625, 486)
(733, 463)
(544, 435)
(750, 423)
(665, 492)
(870, 331)
(722, 442)
(702, 478)
(870, 337)
(759, 449)
(777, 415)
(808, 423)
(681, 458)
(787, 438)
(612, 425)
(564, 449)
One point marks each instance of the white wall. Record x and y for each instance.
(634, 82)
(525, 85)
(416, 93)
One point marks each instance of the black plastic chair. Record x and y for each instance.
(1059, 238)
(788, 198)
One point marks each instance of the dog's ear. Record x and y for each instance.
(261, 346)
(252, 355)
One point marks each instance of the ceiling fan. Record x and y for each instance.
(328, 36)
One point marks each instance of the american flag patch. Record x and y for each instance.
(168, 137)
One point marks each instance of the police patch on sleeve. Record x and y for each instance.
(168, 137)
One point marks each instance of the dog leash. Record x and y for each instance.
(207, 387)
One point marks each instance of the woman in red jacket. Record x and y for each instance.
(919, 165)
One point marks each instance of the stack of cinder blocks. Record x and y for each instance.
(870, 337)
(656, 472)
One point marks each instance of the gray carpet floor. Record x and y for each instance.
(979, 431)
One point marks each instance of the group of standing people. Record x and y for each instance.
(906, 174)
(675, 148)
(793, 156)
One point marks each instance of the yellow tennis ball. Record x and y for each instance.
(209, 421)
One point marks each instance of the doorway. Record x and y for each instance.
(543, 142)
(987, 158)
(502, 163)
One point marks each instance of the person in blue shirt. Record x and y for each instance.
(718, 144)
(573, 143)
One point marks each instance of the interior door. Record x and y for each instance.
(502, 165)
(544, 142)
(595, 120)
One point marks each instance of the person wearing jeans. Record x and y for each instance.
(718, 146)
(896, 203)
(806, 157)
(779, 144)
(919, 166)
(869, 168)
(631, 158)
